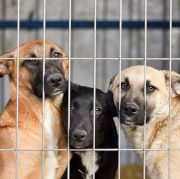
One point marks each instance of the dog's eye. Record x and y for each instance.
(34, 62)
(124, 86)
(98, 110)
(56, 54)
(31, 62)
(150, 89)
(72, 108)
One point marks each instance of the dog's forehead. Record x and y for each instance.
(138, 74)
(37, 47)
(85, 95)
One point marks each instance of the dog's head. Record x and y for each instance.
(31, 68)
(81, 116)
(132, 107)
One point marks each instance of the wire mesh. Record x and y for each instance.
(69, 86)
(94, 86)
(170, 82)
(119, 100)
(145, 97)
(17, 87)
(95, 59)
(43, 87)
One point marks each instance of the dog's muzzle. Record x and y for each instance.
(55, 80)
(130, 109)
(79, 139)
(132, 113)
(129, 113)
(55, 84)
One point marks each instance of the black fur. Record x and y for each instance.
(81, 118)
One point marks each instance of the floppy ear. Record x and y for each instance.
(175, 82)
(111, 83)
(65, 65)
(6, 64)
(112, 106)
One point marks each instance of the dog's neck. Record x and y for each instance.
(55, 133)
(30, 107)
(87, 162)
(156, 126)
(28, 104)
(23, 93)
(52, 110)
(163, 121)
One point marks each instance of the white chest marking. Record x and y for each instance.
(51, 162)
(87, 161)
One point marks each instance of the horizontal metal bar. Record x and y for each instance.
(86, 24)
(85, 58)
(82, 150)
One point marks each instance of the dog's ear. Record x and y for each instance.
(74, 89)
(111, 83)
(6, 64)
(65, 65)
(175, 82)
(111, 104)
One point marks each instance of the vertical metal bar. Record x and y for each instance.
(120, 67)
(69, 87)
(94, 89)
(17, 88)
(145, 64)
(170, 69)
(43, 93)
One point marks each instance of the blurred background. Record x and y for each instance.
(107, 42)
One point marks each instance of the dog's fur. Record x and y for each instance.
(30, 112)
(132, 116)
(81, 122)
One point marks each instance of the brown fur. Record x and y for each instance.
(157, 128)
(29, 118)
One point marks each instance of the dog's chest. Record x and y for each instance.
(52, 139)
(51, 142)
(87, 162)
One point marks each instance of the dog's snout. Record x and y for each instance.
(79, 135)
(131, 109)
(55, 80)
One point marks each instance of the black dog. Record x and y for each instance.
(81, 133)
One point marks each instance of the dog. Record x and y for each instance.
(81, 133)
(30, 112)
(156, 118)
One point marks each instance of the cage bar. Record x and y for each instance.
(170, 82)
(120, 66)
(69, 85)
(95, 24)
(145, 99)
(94, 86)
(43, 90)
(17, 88)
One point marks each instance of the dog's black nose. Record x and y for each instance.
(55, 80)
(79, 135)
(131, 109)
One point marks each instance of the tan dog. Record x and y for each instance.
(132, 116)
(30, 113)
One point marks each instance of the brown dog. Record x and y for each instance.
(30, 112)
(132, 116)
